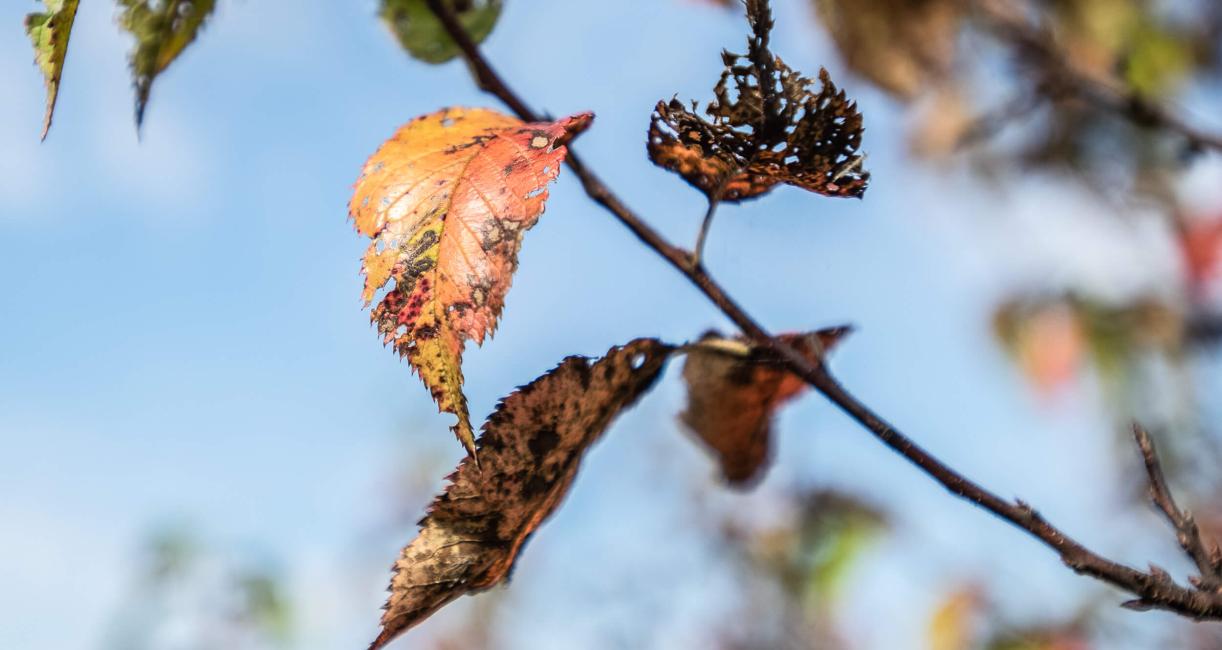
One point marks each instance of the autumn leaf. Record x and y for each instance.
(446, 201)
(49, 30)
(421, 33)
(163, 29)
(530, 449)
(899, 45)
(1053, 338)
(731, 397)
(768, 128)
(952, 625)
(1200, 243)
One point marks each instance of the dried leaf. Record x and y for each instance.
(530, 449)
(163, 29)
(900, 45)
(446, 201)
(731, 399)
(424, 37)
(768, 129)
(50, 30)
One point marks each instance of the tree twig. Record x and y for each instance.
(1205, 555)
(1154, 589)
(1008, 21)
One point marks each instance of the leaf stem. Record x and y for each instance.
(1154, 589)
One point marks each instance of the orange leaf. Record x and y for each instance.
(529, 451)
(446, 201)
(731, 399)
(1201, 248)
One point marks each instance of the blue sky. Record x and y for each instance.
(183, 337)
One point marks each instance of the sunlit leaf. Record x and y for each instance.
(163, 29)
(446, 201)
(50, 30)
(530, 449)
(765, 127)
(422, 34)
(731, 399)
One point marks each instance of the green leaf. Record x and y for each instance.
(1157, 60)
(423, 35)
(49, 32)
(163, 29)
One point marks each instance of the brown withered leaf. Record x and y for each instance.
(731, 398)
(899, 45)
(529, 450)
(765, 127)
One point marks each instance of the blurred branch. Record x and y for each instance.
(1063, 77)
(988, 124)
(1154, 589)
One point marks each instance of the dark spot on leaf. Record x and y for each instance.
(543, 442)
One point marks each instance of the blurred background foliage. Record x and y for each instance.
(997, 91)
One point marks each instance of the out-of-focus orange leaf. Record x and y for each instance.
(530, 449)
(1046, 339)
(446, 201)
(731, 398)
(952, 625)
(1052, 337)
(1051, 347)
(1201, 247)
(766, 127)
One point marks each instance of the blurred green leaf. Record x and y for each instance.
(265, 603)
(835, 544)
(49, 31)
(812, 557)
(163, 29)
(170, 551)
(422, 34)
(1157, 61)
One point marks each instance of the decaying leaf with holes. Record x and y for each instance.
(732, 395)
(530, 449)
(446, 201)
(163, 29)
(421, 33)
(765, 127)
(50, 30)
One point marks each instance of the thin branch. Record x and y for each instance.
(1154, 589)
(1108, 93)
(1205, 555)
